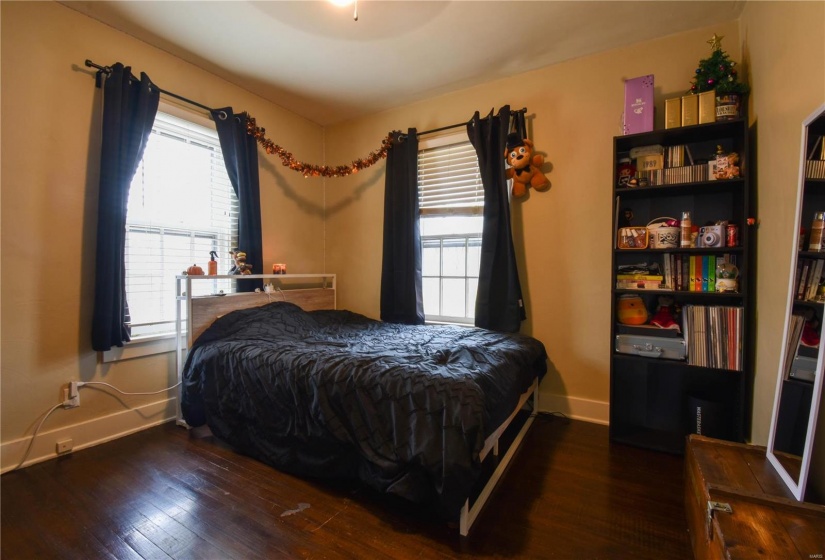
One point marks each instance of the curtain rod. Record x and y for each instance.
(108, 70)
(448, 127)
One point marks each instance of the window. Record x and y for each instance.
(181, 207)
(451, 201)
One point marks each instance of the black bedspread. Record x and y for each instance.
(332, 393)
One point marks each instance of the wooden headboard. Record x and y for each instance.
(206, 309)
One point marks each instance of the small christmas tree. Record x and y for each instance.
(717, 72)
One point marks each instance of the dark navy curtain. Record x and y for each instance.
(499, 303)
(240, 153)
(129, 109)
(401, 292)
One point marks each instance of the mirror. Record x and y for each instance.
(799, 383)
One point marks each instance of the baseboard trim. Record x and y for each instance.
(87, 434)
(597, 412)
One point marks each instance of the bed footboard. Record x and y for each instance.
(469, 513)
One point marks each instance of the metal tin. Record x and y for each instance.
(732, 238)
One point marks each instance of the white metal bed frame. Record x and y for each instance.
(469, 512)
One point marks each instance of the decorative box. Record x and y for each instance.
(707, 107)
(690, 110)
(638, 105)
(673, 112)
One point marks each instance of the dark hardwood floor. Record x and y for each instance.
(160, 494)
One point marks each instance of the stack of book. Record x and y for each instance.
(692, 273)
(714, 336)
(640, 282)
(809, 274)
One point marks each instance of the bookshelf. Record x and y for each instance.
(653, 400)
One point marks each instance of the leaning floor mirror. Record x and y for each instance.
(799, 383)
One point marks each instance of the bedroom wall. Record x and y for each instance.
(784, 48)
(562, 236)
(49, 174)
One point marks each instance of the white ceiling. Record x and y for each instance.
(312, 58)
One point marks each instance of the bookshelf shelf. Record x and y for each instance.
(651, 399)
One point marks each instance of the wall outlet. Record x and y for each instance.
(64, 446)
(70, 401)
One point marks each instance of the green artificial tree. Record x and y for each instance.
(717, 72)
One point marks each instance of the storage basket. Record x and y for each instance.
(663, 236)
(632, 238)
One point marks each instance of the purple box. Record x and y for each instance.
(638, 104)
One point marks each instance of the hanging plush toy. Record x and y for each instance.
(524, 167)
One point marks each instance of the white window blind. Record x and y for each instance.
(181, 207)
(449, 181)
(451, 202)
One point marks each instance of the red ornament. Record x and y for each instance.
(711, 81)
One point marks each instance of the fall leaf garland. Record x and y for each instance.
(308, 169)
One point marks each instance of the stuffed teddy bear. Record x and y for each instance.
(524, 167)
(240, 266)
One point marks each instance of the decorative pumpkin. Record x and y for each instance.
(631, 310)
(194, 270)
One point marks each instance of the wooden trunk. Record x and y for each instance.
(765, 521)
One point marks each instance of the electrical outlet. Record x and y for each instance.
(64, 446)
(68, 400)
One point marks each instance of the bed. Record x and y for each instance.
(319, 392)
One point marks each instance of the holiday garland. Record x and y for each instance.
(308, 169)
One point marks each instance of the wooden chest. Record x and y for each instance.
(752, 514)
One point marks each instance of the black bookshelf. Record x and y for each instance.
(652, 399)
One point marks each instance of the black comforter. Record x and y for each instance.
(332, 393)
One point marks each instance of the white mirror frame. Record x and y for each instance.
(797, 487)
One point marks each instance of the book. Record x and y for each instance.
(803, 278)
(705, 263)
(639, 285)
(638, 105)
(712, 273)
(692, 274)
(640, 277)
(816, 276)
(679, 284)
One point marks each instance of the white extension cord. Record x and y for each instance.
(73, 402)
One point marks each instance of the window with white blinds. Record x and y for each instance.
(181, 207)
(449, 182)
(451, 202)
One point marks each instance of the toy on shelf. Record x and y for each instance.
(631, 310)
(240, 266)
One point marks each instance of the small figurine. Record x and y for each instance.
(240, 266)
(626, 219)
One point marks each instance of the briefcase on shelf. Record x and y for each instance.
(652, 346)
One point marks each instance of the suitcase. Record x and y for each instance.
(652, 346)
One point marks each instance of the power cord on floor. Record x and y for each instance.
(79, 384)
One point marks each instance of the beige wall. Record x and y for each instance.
(49, 174)
(784, 48)
(563, 236)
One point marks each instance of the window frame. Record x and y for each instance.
(162, 342)
(469, 239)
